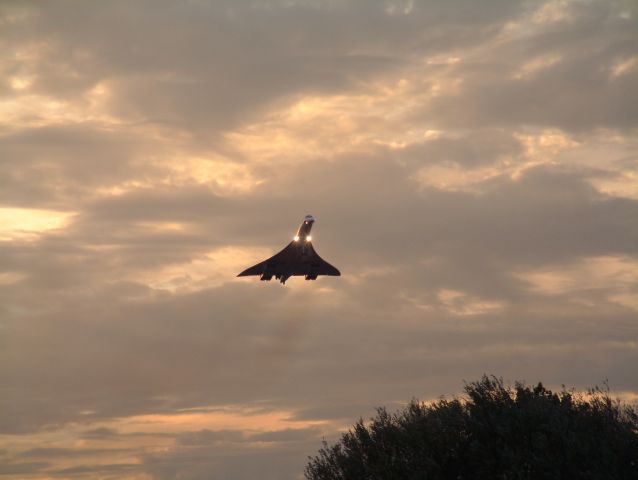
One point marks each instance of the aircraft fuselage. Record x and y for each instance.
(303, 234)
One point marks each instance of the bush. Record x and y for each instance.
(496, 432)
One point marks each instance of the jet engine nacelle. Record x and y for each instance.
(265, 276)
(311, 276)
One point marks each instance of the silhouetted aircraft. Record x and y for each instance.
(298, 258)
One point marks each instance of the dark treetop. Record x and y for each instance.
(497, 432)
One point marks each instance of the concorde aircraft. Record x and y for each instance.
(298, 258)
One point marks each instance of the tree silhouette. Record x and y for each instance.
(495, 432)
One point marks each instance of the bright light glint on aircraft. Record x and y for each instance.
(308, 238)
(296, 238)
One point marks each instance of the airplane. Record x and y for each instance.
(298, 258)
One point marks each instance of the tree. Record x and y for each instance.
(495, 432)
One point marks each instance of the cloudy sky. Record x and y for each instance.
(472, 166)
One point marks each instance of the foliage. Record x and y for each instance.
(495, 432)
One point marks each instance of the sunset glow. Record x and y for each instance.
(472, 168)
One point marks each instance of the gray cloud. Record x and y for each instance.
(22, 468)
(212, 64)
(479, 147)
(101, 433)
(207, 462)
(210, 437)
(67, 452)
(579, 91)
(199, 155)
(288, 435)
(52, 166)
(107, 469)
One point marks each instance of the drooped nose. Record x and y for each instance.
(304, 230)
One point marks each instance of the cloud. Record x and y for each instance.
(472, 168)
(100, 433)
(210, 437)
(591, 281)
(561, 59)
(107, 469)
(24, 223)
(206, 462)
(22, 468)
(287, 435)
(66, 452)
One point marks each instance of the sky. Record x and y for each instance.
(472, 166)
